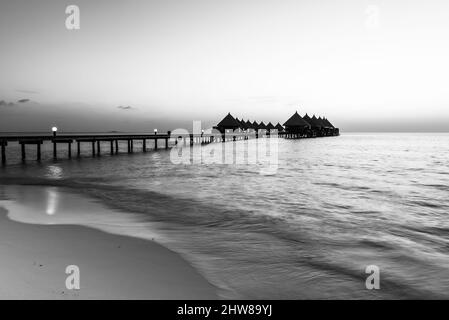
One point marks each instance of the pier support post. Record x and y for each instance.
(129, 146)
(116, 146)
(3, 145)
(38, 156)
(55, 152)
(132, 145)
(155, 144)
(112, 147)
(23, 152)
(98, 148)
(78, 153)
(70, 150)
(93, 148)
(166, 143)
(144, 145)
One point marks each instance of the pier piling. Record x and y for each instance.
(24, 142)
(23, 152)
(54, 151)
(3, 145)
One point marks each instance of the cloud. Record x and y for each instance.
(23, 100)
(125, 108)
(3, 103)
(27, 91)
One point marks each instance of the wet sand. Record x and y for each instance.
(34, 259)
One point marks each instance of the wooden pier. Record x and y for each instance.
(229, 129)
(94, 140)
(113, 142)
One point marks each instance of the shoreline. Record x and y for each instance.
(35, 258)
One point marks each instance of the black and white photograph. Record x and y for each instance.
(224, 150)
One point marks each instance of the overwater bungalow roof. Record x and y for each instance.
(249, 125)
(328, 123)
(307, 118)
(314, 122)
(322, 122)
(242, 124)
(229, 122)
(296, 121)
(262, 126)
(255, 125)
(270, 126)
(279, 127)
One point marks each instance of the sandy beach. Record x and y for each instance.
(34, 259)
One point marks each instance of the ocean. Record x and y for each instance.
(307, 230)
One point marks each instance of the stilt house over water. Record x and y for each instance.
(229, 123)
(296, 126)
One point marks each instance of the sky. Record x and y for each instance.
(136, 65)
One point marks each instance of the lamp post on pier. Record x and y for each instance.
(54, 130)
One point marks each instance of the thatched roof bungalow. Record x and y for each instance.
(242, 124)
(307, 119)
(323, 123)
(270, 127)
(228, 123)
(296, 124)
(279, 127)
(329, 124)
(255, 126)
(315, 123)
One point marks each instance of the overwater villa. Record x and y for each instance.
(294, 128)
(270, 127)
(249, 126)
(279, 128)
(228, 124)
(255, 126)
(262, 128)
(244, 126)
(316, 126)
